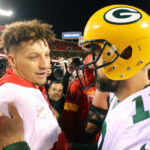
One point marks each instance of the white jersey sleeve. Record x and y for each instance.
(127, 124)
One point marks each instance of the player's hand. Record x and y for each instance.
(11, 129)
(69, 64)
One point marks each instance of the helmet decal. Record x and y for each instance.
(122, 15)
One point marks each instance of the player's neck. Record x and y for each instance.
(131, 86)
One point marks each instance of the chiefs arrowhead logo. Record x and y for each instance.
(41, 112)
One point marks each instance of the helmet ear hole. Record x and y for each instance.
(127, 53)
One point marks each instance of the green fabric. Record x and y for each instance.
(76, 146)
(17, 146)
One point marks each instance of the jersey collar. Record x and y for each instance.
(10, 77)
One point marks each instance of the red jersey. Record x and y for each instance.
(75, 112)
(76, 109)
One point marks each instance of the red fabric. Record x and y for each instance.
(74, 120)
(62, 143)
(10, 77)
(89, 76)
(87, 59)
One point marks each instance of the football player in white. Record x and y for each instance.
(119, 38)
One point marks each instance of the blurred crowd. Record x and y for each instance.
(68, 100)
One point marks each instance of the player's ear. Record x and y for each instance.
(12, 60)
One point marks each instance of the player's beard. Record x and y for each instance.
(106, 85)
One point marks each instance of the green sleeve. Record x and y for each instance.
(17, 146)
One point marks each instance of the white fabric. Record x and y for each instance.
(121, 132)
(40, 125)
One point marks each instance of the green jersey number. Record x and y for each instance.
(143, 147)
(103, 135)
(141, 114)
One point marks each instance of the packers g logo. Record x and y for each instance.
(122, 15)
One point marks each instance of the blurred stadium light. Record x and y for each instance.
(6, 13)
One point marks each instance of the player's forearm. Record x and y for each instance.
(100, 100)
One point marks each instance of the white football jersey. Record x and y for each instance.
(40, 125)
(127, 124)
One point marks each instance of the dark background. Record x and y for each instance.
(64, 15)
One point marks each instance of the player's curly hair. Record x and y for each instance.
(21, 31)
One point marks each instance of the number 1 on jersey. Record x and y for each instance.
(141, 114)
